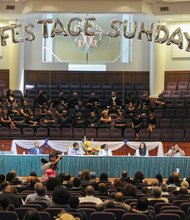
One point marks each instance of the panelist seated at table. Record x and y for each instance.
(36, 149)
(175, 151)
(105, 151)
(75, 150)
(142, 150)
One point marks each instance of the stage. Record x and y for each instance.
(113, 166)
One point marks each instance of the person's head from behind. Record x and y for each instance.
(40, 189)
(74, 202)
(103, 177)
(118, 197)
(124, 173)
(156, 192)
(159, 178)
(10, 189)
(76, 182)
(52, 183)
(9, 177)
(66, 216)
(102, 188)
(183, 191)
(142, 204)
(32, 214)
(4, 203)
(139, 176)
(129, 190)
(60, 196)
(184, 184)
(89, 190)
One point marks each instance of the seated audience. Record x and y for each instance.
(32, 214)
(160, 101)
(105, 120)
(156, 194)
(61, 196)
(124, 177)
(66, 216)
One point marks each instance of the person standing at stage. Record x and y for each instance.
(142, 151)
(36, 149)
(75, 150)
(105, 151)
(175, 151)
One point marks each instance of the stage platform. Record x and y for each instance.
(113, 166)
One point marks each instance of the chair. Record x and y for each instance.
(169, 103)
(185, 94)
(28, 133)
(166, 94)
(75, 85)
(185, 206)
(166, 134)
(176, 123)
(179, 103)
(53, 211)
(85, 85)
(102, 216)
(96, 85)
(143, 134)
(115, 134)
(78, 133)
(42, 132)
(171, 86)
(129, 134)
(134, 216)
(107, 86)
(155, 134)
(142, 93)
(176, 94)
(117, 86)
(32, 205)
(170, 207)
(129, 86)
(186, 123)
(158, 113)
(42, 86)
(167, 216)
(22, 211)
(53, 86)
(67, 133)
(15, 133)
(4, 133)
(17, 94)
(153, 202)
(182, 85)
(103, 133)
(77, 214)
(140, 86)
(54, 133)
(30, 103)
(64, 85)
(169, 113)
(165, 123)
(159, 205)
(8, 215)
(88, 211)
(54, 94)
(118, 212)
(180, 113)
(178, 135)
(179, 202)
(181, 213)
(91, 133)
(44, 215)
(38, 201)
(2, 84)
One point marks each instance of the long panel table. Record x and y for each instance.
(113, 166)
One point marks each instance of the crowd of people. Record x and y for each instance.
(75, 112)
(133, 195)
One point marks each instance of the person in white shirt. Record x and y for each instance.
(142, 151)
(75, 150)
(105, 151)
(175, 151)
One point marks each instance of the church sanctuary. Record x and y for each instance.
(107, 81)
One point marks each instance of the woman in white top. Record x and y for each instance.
(142, 151)
(105, 151)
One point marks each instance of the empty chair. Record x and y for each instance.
(187, 103)
(178, 202)
(159, 113)
(167, 216)
(88, 211)
(118, 212)
(176, 123)
(32, 93)
(182, 85)
(4, 133)
(103, 133)
(85, 85)
(186, 123)
(2, 84)
(144, 134)
(96, 85)
(32, 205)
(28, 133)
(102, 216)
(169, 103)
(179, 103)
(187, 135)
(107, 86)
(129, 134)
(17, 94)
(185, 94)
(171, 86)
(176, 94)
(15, 133)
(185, 206)
(42, 86)
(78, 133)
(165, 123)
(170, 207)
(180, 113)
(178, 135)
(22, 211)
(166, 134)
(166, 94)
(117, 86)
(54, 94)
(8, 215)
(64, 85)
(54, 133)
(115, 134)
(140, 86)
(91, 133)
(30, 103)
(134, 216)
(53, 86)
(75, 85)
(178, 212)
(129, 86)
(44, 215)
(67, 133)
(155, 134)
(159, 205)
(42, 133)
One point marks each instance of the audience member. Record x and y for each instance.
(105, 151)
(175, 151)
(32, 214)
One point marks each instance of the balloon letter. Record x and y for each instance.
(163, 39)
(188, 40)
(134, 29)
(116, 31)
(44, 26)
(88, 25)
(74, 32)
(3, 35)
(32, 35)
(15, 32)
(60, 30)
(144, 30)
(172, 39)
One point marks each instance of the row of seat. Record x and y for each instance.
(171, 113)
(182, 85)
(175, 123)
(95, 134)
(85, 85)
(176, 94)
